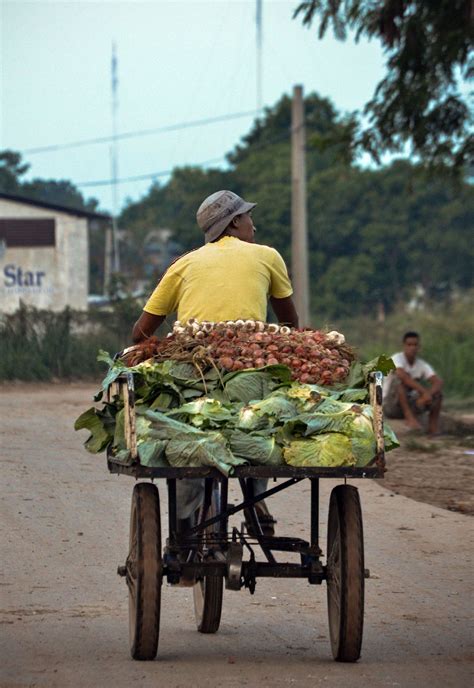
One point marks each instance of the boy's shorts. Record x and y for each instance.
(391, 403)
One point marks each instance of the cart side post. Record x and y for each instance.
(124, 387)
(376, 397)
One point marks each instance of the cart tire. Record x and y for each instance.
(208, 591)
(345, 573)
(144, 571)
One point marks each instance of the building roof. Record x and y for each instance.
(79, 212)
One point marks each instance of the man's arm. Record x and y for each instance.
(436, 384)
(408, 381)
(285, 311)
(146, 326)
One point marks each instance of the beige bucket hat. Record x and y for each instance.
(218, 210)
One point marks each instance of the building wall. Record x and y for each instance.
(65, 266)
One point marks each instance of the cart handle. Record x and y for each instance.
(124, 387)
(376, 397)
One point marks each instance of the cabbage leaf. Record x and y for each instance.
(256, 448)
(330, 449)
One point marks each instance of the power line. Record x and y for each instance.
(142, 177)
(140, 132)
(166, 173)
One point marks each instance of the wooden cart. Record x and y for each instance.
(209, 556)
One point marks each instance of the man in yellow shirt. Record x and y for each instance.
(229, 278)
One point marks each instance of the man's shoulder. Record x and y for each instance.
(267, 251)
(183, 259)
(398, 359)
(424, 364)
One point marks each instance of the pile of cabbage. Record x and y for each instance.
(185, 418)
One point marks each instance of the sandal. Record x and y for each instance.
(266, 520)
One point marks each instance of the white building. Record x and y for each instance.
(44, 254)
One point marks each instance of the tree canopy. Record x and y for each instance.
(420, 101)
(374, 235)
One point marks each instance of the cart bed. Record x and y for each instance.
(138, 471)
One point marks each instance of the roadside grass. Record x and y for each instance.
(447, 343)
(458, 404)
(412, 444)
(43, 345)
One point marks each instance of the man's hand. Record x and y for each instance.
(285, 311)
(424, 399)
(146, 326)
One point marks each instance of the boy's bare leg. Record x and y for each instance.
(408, 414)
(435, 410)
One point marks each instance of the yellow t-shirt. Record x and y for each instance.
(223, 280)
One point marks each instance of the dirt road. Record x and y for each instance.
(64, 610)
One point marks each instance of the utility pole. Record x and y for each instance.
(299, 233)
(258, 21)
(108, 255)
(114, 159)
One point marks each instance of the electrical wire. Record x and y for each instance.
(166, 173)
(142, 177)
(140, 132)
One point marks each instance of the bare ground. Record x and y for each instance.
(64, 611)
(438, 471)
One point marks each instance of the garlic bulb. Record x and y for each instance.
(284, 330)
(273, 328)
(336, 337)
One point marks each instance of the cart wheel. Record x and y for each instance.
(144, 571)
(208, 591)
(345, 573)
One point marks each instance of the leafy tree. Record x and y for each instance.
(11, 169)
(60, 192)
(419, 102)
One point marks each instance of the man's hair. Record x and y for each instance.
(407, 335)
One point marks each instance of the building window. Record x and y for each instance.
(27, 233)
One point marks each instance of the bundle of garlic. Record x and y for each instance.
(193, 328)
(312, 356)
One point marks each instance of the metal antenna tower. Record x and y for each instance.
(258, 21)
(114, 160)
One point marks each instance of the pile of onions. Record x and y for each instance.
(312, 356)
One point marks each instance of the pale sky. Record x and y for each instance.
(177, 61)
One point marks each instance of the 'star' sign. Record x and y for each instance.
(15, 276)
